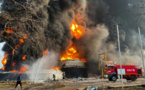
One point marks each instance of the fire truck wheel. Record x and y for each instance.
(133, 78)
(114, 78)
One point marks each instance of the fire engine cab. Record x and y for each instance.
(129, 72)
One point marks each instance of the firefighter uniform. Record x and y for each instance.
(63, 75)
(54, 77)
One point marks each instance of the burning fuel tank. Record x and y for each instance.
(74, 68)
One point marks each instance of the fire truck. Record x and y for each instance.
(129, 72)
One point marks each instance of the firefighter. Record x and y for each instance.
(19, 81)
(54, 77)
(63, 75)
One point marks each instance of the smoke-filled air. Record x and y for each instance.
(40, 34)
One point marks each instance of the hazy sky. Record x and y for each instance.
(1, 54)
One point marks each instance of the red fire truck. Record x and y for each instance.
(129, 72)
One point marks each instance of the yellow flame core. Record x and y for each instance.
(71, 52)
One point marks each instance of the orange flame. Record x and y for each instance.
(57, 68)
(71, 52)
(14, 71)
(45, 52)
(76, 30)
(9, 31)
(25, 36)
(22, 69)
(13, 64)
(84, 60)
(3, 68)
(21, 41)
(4, 61)
(24, 57)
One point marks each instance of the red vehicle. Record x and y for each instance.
(129, 72)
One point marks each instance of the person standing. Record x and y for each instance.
(63, 75)
(54, 77)
(19, 81)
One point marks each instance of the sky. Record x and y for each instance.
(1, 45)
(1, 54)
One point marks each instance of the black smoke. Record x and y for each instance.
(44, 24)
(47, 26)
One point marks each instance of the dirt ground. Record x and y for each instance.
(74, 84)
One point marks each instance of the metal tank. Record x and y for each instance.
(74, 68)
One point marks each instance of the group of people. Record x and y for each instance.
(63, 76)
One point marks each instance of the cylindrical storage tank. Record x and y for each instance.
(74, 68)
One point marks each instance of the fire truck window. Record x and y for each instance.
(139, 71)
(110, 67)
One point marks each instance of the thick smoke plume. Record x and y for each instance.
(46, 23)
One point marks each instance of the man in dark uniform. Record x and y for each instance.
(19, 81)
(53, 77)
(63, 75)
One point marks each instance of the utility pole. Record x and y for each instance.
(119, 54)
(105, 57)
(100, 62)
(141, 50)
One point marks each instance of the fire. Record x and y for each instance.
(72, 52)
(14, 71)
(84, 60)
(69, 54)
(3, 68)
(57, 68)
(24, 57)
(45, 52)
(4, 61)
(13, 64)
(76, 30)
(25, 36)
(22, 69)
(21, 41)
(9, 31)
